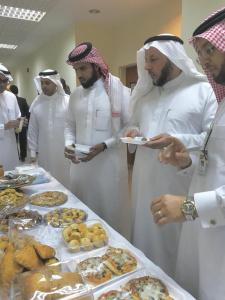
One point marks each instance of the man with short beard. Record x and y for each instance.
(98, 111)
(171, 97)
(201, 255)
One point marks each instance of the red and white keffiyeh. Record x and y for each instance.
(86, 53)
(93, 57)
(216, 36)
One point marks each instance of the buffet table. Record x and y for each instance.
(53, 237)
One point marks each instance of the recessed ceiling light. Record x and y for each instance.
(21, 13)
(94, 11)
(7, 46)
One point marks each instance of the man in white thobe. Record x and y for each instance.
(9, 121)
(201, 256)
(98, 110)
(46, 125)
(171, 96)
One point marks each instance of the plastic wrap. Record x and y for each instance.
(142, 281)
(105, 265)
(54, 281)
(85, 236)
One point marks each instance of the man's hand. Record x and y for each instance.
(94, 151)
(131, 133)
(69, 153)
(12, 124)
(167, 209)
(174, 153)
(33, 160)
(159, 141)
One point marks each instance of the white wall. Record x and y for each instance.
(52, 55)
(193, 13)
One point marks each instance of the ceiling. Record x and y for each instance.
(61, 14)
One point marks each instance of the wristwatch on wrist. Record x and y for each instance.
(188, 209)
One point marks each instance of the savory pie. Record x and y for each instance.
(94, 270)
(148, 288)
(116, 295)
(50, 198)
(119, 261)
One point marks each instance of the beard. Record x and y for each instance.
(88, 83)
(220, 78)
(165, 73)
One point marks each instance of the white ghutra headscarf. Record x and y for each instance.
(5, 72)
(51, 75)
(175, 52)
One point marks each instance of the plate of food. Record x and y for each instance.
(140, 285)
(12, 180)
(65, 216)
(23, 219)
(137, 140)
(105, 265)
(48, 198)
(11, 201)
(85, 236)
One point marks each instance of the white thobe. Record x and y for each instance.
(46, 134)
(9, 110)
(201, 259)
(101, 183)
(183, 108)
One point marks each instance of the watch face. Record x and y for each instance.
(188, 208)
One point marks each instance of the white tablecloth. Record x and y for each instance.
(53, 236)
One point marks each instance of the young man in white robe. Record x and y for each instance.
(171, 97)
(98, 111)
(46, 125)
(9, 121)
(201, 256)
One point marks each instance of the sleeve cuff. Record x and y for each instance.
(69, 143)
(110, 142)
(33, 153)
(2, 131)
(209, 211)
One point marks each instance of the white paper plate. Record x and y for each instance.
(82, 148)
(138, 140)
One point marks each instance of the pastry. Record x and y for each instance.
(119, 261)
(85, 237)
(65, 216)
(28, 258)
(44, 251)
(9, 268)
(148, 288)
(94, 270)
(25, 219)
(48, 199)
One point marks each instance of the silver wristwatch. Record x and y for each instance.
(188, 209)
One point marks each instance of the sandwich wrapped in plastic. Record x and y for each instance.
(51, 282)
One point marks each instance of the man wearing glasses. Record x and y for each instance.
(201, 259)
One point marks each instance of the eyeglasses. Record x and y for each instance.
(206, 52)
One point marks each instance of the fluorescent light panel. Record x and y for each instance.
(21, 13)
(7, 46)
